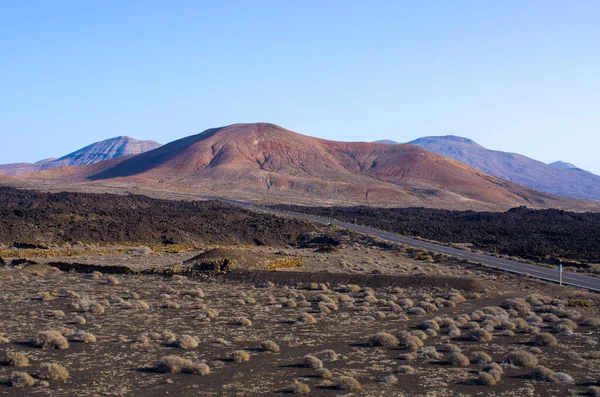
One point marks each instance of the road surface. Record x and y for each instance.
(544, 273)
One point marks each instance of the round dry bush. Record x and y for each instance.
(593, 391)
(54, 372)
(50, 340)
(430, 324)
(85, 337)
(429, 353)
(185, 342)
(269, 346)
(79, 320)
(458, 360)
(313, 362)
(545, 339)
(481, 335)
(243, 321)
(300, 388)
(112, 280)
(46, 296)
(324, 373)
(486, 379)
(239, 302)
(561, 377)
(21, 379)
(3, 339)
(507, 332)
(591, 322)
(540, 372)
(406, 370)
(168, 304)
(451, 348)
(384, 339)
(306, 319)
(240, 356)
(95, 308)
(419, 334)
(17, 359)
(327, 355)
(389, 379)
(521, 358)
(176, 365)
(347, 383)
(479, 357)
(417, 311)
(289, 303)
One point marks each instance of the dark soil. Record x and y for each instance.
(538, 235)
(29, 216)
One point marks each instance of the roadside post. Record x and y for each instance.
(560, 273)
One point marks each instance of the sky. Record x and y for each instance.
(518, 76)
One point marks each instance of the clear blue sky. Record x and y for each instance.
(520, 76)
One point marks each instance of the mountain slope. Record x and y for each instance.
(515, 167)
(264, 161)
(91, 154)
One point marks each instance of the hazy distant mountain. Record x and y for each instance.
(558, 178)
(561, 165)
(386, 141)
(92, 154)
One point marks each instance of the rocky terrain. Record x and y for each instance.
(540, 235)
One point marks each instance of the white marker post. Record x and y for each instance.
(560, 273)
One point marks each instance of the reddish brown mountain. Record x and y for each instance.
(266, 162)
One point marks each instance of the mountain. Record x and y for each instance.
(560, 180)
(386, 142)
(561, 165)
(265, 162)
(96, 152)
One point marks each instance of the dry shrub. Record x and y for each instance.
(240, 356)
(545, 339)
(169, 304)
(54, 372)
(389, 379)
(479, 357)
(50, 340)
(21, 379)
(95, 308)
(46, 296)
(242, 321)
(458, 360)
(306, 319)
(540, 372)
(17, 359)
(384, 339)
(85, 337)
(486, 379)
(313, 362)
(347, 383)
(185, 342)
(481, 335)
(175, 365)
(79, 320)
(406, 370)
(327, 355)
(521, 358)
(593, 391)
(495, 370)
(140, 305)
(561, 377)
(300, 388)
(269, 346)
(112, 280)
(324, 373)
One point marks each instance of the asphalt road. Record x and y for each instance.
(577, 280)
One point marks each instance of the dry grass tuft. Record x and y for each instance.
(21, 379)
(406, 370)
(54, 371)
(540, 372)
(240, 356)
(176, 365)
(50, 340)
(545, 339)
(300, 388)
(347, 383)
(306, 319)
(112, 280)
(521, 358)
(384, 339)
(269, 346)
(185, 342)
(17, 359)
(458, 360)
(312, 362)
